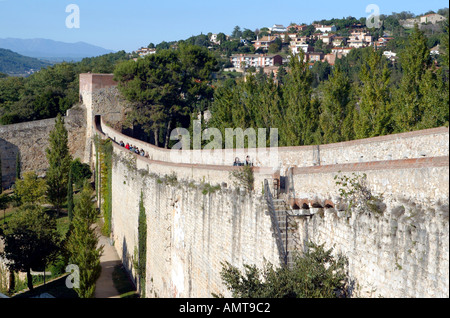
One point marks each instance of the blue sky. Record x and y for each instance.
(129, 24)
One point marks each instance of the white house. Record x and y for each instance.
(278, 28)
(325, 28)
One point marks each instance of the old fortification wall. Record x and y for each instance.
(418, 144)
(99, 95)
(189, 232)
(401, 249)
(407, 238)
(31, 140)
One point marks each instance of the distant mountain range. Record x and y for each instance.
(54, 51)
(14, 64)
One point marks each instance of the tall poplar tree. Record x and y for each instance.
(59, 160)
(335, 108)
(373, 116)
(301, 118)
(415, 60)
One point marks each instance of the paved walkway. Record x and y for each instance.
(105, 287)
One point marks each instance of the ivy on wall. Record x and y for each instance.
(142, 246)
(104, 152)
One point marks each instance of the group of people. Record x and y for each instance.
(237, 162)
(143, 153)
(134, 149)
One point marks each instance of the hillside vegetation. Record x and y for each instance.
(50, 91)
(12, 63)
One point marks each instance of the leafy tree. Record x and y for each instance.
(31, 189)
(221, 38)
(249, 35)
(237, 33)
(80, 172)
(31, 241)
(166, 88)
(4, 204)
(59, 160)
(82, 244)
(316, 274)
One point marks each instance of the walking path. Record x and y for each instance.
(105, 287)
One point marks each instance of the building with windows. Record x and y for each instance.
(243, 61)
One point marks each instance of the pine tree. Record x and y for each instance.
(59, 160)
(82, 244)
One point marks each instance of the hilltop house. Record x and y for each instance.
(264, 42)
(325, 28)
(432, 18)
(359, 39)
(241, 61)
(341, 51)
(296, 46)
(143, 51)
(278, 28)
(297, 28)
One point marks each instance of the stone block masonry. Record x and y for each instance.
(31, 140)
(190, 233)
(399, 250)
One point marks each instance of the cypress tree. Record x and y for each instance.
(18, 166)
(142, 230)
(82, 244)
(1, 176)
(59, 160)
(70, 203)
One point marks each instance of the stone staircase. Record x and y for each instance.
(288, 230)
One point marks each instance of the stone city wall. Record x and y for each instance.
(31, 139)
(387, 251)
(400, 249)
(418, 144)
(190, 233)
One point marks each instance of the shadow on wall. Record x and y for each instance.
(127, 259)
(8, 155)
